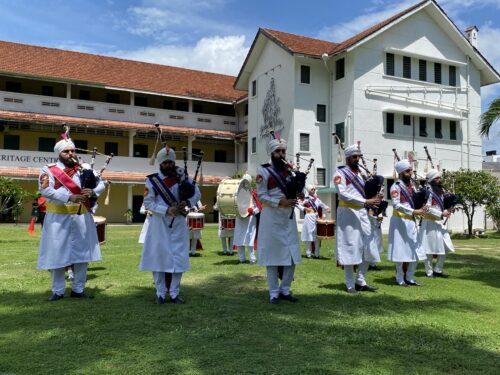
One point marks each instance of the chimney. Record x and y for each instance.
(471, 34)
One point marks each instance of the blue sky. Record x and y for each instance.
(215, 35)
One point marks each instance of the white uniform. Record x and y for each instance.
(375, 243)
(194, 234)
(145, 226)
(310, 206)
(244, 233)
(66, 239)
(226, 235)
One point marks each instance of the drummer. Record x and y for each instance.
(313, 208)
(195, 233)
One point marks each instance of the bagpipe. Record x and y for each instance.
(420, 194)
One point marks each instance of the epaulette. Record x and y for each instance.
(51, 165)
(266, 165)
(340, 167)
(152, 174)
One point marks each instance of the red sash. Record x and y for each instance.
(67, 182)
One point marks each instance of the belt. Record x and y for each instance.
(430, 217)
(265, 205)
(346, 204)
(402, 215)
(310, 211)
(65, 209)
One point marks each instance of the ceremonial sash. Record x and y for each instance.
(256, 199)
(68, 183)
(280, 180)
(438, 200)
(349, 175)
(407, 195)
(311, 200)
(162, 190)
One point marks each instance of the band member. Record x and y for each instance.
(433, 235)
(166, 246)
(195, 234)
(313, 208)
(69, 233)
(226, 235)
(403, 243)
(353, 224)
(246, 229)
(278, 235)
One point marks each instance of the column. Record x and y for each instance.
(132, 98)
(68, 91)
(129, 196)
(190, 105)
(131, 135)
(191, 138)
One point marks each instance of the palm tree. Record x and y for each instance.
(489, 117)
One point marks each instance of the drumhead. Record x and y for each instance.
(99, 219)
(244, 197)
(196, 215)
(234, 197)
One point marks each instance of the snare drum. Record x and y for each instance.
(228, 223)
(100, 225)
(234, 197)
(325, 229)
(196, 220)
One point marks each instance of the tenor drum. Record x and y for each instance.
(228, 223)
(325, 229)
(234, 197)
(196, 220)
(100, 225)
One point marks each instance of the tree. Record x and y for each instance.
(12, 197)
(489, 117)
(475, 189)
(493, 211)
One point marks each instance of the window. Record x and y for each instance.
(321, 113)
(406, 120)
(389, 123)
(11, 142)
(321, 176)
(246, 109)
(220, 156)
(304, 142)
(140, 150)
(84, 95)
(198, 107)
(453, 130)
(141, 101)
(406, 67)
(245, 158)
(47, 90)
(46, 144)
(112, 98)
(422, 70)
(195, 152)
(339, 130)
(305, 74)
(453, 75)
(168, 104)
(182, 106)
(82, 144)
(13, 86)
(111, 148)
(437, 72)
(491, 153)
(254, 145)
(339, 68)
(437, 128)
(423, 127)
(389, 64)
(225, 110)
(254, 88)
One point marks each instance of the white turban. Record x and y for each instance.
(166, 153)
(62, 145)
(247, 177)
(432, 174)
(275, 144)
(403, 165)
(310, 187)
(352, 151)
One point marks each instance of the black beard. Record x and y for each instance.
(278, 163)
(68, 163)
(168, 172)
(437, 188)
(353, 166)
(406, 180)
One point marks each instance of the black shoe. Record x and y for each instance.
(195, 255)
(316, 257)
(80, 295)
(374, 268)
(177, 300)
(275, 301)
(413, 283)
(56, 297)
(288, 297)
(160, 300)
(365, 288)
(444, 275)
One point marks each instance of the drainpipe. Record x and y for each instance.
(329, 173)
(468, 114)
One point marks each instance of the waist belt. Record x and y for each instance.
(265, 205)
(65, 209)
(402, 215)
(346, 204)
(309, 211)
(430, 217)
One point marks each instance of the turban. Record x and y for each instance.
(275, 144)
(352, 151)
(403, 165)
(310, 187)
(166, 153)
(247, 177)
(62, 145)
(432, 174)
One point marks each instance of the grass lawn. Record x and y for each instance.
(227, 325)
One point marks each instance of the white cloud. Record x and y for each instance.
(214, 54)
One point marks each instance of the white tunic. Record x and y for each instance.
(278, 235)
(353, 225)
(310, 219)
(245, 228)
(145, 226)
(375, 244)
(403, 245)
(433, 235)
(165, 249)
(66, 239)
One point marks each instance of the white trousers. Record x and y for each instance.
(439, 264)
(242, 255)
(400, 275)
(225, 241)
(316, 248)
(193, 246)
(350, 280)
(273, 281)
(59, 279)
(161, 287)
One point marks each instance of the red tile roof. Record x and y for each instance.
(78, 121)
(98, 70)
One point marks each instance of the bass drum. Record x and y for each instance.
(101, 224)
(234, 197)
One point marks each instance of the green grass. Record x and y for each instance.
(228, 326)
